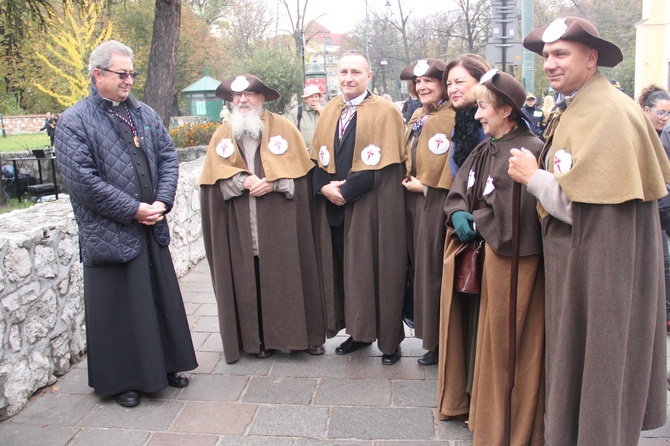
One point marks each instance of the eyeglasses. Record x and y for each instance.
(661, 114)
(122, 74)
(248, 94)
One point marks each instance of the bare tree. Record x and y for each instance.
(474, 24)
(249, 23)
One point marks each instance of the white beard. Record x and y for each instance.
(249, 123)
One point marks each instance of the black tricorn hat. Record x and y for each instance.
(574, 29)
(244, 82)
(424, 67)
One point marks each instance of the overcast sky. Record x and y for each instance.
(340, 16)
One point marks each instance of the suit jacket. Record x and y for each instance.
(358, 183)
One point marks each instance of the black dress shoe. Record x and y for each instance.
(429, 358)
(350, 346)
(129, 398)
(391, 359)
(316, 350)
(177, 380)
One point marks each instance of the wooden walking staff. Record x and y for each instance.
(514, 281)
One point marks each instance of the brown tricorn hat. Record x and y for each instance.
(244, 82)
(506, 87)
(424, 67)
(574, 29)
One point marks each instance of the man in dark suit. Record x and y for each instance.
(359, 212)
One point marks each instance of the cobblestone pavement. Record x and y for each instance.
(290, 399)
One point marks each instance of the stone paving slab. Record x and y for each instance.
(57, 409)
(153, 414)
(415, 393)
(247, 365)
(110, 437)
(177, 439)
(207, 361)
(75, 382)
(290, 421)
(256, 441)
(213, 343)
(304, 365)
(208, 324)
(14, 434)
(348, 392)
(382, 423)
(372, 367)
(215, 388)
(280, 390)
(214, 417)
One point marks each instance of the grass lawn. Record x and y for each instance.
(13, 203)
(29, 141)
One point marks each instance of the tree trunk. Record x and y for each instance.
(159, 88)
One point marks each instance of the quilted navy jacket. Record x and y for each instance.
(98, 172)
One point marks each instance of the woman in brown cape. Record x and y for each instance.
(427, 182)
(480, 206)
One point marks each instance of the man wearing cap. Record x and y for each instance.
(255, 198)
(305, 116)
(602, 170)
(535, 116)
(359, 212)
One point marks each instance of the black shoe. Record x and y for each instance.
(129, 398)
(177, 380)
(429, 358)
(350, 346)
(391, 359)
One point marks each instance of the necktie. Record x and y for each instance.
(347, 113)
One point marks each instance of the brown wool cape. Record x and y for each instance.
(605, 294)
(426, 230)
(375, 253)
(493, 219)
(290, 296)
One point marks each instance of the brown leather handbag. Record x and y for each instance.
(469, 262)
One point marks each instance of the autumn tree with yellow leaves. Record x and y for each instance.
(63, 52)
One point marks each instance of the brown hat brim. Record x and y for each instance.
(581, 31)
(245, 82)
(429, 66)
(507, 88)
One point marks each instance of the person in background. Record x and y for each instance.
(459, 314)
(479, 206)
(427, 183)
(603, 171)
(655, 103)
(360, 212)
(305, 116)
(120, 168)
(535, 115)
(409, 107)
(50, 127)
(547, 110)
(255, 201)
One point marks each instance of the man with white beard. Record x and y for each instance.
(255, 200)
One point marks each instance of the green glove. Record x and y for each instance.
(463, 225)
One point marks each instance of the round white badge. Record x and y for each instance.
(421, 67)
(562, 161)
(278, 145)
(225, 148)
(554, 31)
(240, 83)
(439, 144)
(324, 156)
(371, 155)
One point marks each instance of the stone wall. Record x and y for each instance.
(41, 287)
(23, 124)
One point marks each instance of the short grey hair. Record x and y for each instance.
(356, 53)
(102, 53)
